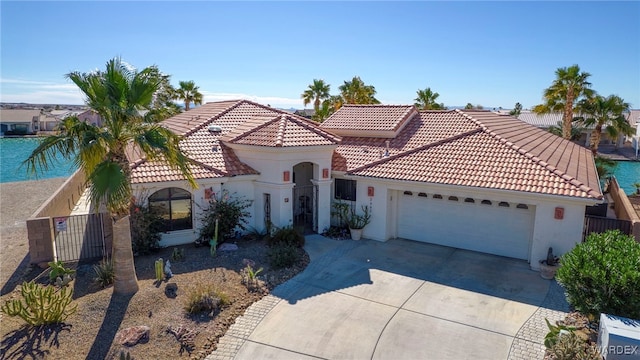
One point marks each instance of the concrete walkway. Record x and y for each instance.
(398, 300)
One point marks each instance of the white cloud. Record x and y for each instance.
(42, 92)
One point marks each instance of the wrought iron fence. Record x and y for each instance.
(79, 237)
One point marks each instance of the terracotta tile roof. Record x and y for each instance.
(237, 120)
(425, 128)
(363, 118)
(483, 149)
(280, 131)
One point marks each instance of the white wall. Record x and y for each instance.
(562, 235)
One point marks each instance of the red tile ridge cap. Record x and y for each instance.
(282, 127)
(568, 178)
(414, 150)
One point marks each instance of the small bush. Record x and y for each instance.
(58, 270)
(230, 213)
(146, 226)
(571, 347)
(286, 236)
(177, 255)
(41, 305)
(105, 273)
(602, 275)
(205, 298)
(283, 255)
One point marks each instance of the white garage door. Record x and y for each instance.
(493, 227)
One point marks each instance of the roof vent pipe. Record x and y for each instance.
(386, 153)
(215, 128)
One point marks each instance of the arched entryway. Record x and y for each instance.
(305, 194)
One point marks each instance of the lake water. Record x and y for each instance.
(13, 151)
(627, 173)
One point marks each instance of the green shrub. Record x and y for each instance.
(230, 213)
(58, 270)
(283, 255)
(286, 236)
(146, 226)
(571, 347)
(205, 298)
(105, 274)
(41, 305)
(602, 275)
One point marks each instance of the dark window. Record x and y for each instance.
(469, 200)
(453, 198)
(503, 204)
(522, 206)
(422, 194)
(486, 202)
(345, 189)
(408, 193)
(174, 205)
(437, 196)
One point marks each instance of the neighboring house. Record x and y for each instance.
(475, 180)
(90, 117)
(545, 121)
(19, 121)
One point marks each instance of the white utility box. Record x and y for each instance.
(619, 338)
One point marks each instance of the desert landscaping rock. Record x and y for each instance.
(171, 290)
(133, 335)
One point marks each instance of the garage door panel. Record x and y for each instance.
(473, 226)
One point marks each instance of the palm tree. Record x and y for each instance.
(356, 92)
(119, 94)
(576, 131)
(426, 100)
(604, 113)
(316, 93)
(563, 95)
(517, 109)
(188, 92)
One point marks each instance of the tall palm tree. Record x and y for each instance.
(604, 113)
(188, 92)
(426, 100)
(356, 92)
(569, 87)
(119, 94)
(316, 93)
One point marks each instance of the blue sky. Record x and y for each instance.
(489, 53)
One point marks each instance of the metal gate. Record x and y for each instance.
(79, 237)
(305, 208)
(599, 224)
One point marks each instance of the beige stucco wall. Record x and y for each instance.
(623, 208)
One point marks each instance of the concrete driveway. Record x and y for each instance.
(398, 300)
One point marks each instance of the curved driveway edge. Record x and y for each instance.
(399, 299)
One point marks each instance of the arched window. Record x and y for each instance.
(174, 205)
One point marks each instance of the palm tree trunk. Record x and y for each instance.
(186, 105)
(595, 139)
(126, 281)
(567, 117)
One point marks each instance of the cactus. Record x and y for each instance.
(42, 305)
